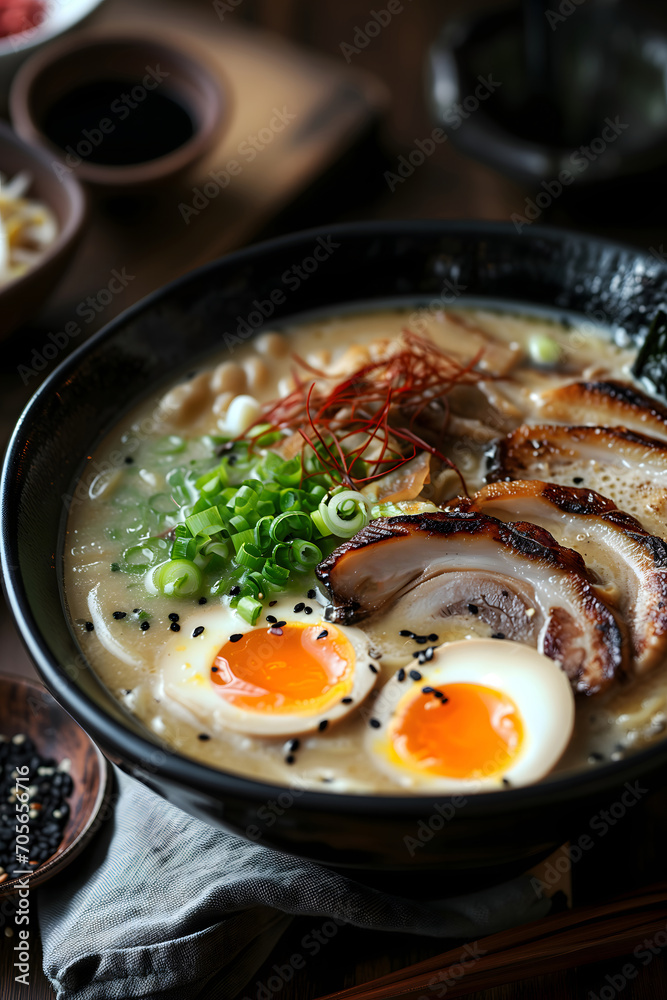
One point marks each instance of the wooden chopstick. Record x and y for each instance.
(563, 941)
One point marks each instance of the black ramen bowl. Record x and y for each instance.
(168, 335)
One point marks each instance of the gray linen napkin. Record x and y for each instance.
(164, 906)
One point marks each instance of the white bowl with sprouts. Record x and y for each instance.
(41, 219)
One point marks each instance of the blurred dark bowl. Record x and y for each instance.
(20, 299)
(596, 65)
(173, 331)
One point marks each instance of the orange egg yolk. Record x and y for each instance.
(287, 669)
(472, 732)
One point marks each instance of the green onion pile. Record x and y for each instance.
(251, 524)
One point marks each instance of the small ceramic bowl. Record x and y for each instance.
(132, 60)
(21, 298)
(26, 707)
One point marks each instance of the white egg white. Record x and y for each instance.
(184, 671)
(537, 686)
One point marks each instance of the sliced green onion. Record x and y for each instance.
(208, 522)
(346, 513)
(248, 555)
(249, 609)
(263, 533)
(242, 538)
(178, 578)
(320, 523)
(304, 555)
(294, 522)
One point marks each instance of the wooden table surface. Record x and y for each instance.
(447, 186)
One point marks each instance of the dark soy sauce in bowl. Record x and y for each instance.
(118, 122)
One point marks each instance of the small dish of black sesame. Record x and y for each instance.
(52, 778)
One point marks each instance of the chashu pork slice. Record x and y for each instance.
(629, 468)
(629, 563)
(609, 403)
(425, 569)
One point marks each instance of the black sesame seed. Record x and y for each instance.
(437, 694)
(307, 610)
(129, 460)
(577, 480)
(214, 670)
(203, 737)
(119, 614)
(136, 611)
(145, 626)
(236, 637)
(173, 617)
(197, 631)
(400, 676)
(347, 701)
(89, 626)
(406, 631)
(299, 607)
(294, 745)
(433, 637)
(272, 619)
(272, 604)
(175, 627)
(234, 591)
(373, 669)
(427, 689)
(473, 609)
(290, 759)
(311, 595)
(421, 639)
(375, 723)
(498, 635)
(202, 600)
(281, 624)
(323, 725)
(415, 675)
(323, 634)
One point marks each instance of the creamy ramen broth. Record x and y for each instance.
(125, 630)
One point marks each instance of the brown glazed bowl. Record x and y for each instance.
(28, 708)
(65, 197)
(91, 56)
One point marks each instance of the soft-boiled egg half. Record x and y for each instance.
(483, 713)
(292, 672)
